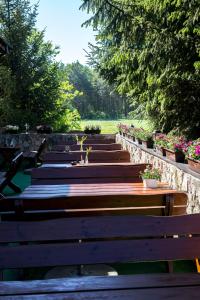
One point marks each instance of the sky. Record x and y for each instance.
(62, 20)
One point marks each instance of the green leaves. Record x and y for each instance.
(150, 50)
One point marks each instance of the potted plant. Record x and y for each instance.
(81, 141)
(150, 177)
(11, 129)
(175, 149)
(123, 129)
(97, 129)
(43, 129)
(88, 150)
(193, 155)
(146, 138)
(160, 141)
(131, 133)
(137, 134)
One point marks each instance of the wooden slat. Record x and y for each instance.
(99, 227)
(100, 283)
(63, 213)
(89, 172)
(99, 252)
(85, 180)
(105, 147)
(178, 293)
(94, 156)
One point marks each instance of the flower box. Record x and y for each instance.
(177, 156)
(44, 129)
(11, 129)
(148, 144)
(194, 165)
(161, 151)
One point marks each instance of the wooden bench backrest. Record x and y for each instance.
(41, 148)
(88, 174)
(91, 140)
(54, 206)
(104, 240)
(94, 156)
(105, 147)
(13, 169)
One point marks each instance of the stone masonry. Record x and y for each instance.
(177, 175)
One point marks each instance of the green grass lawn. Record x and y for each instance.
(111, 125)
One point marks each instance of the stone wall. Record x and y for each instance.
(31, 141)
(177, 175)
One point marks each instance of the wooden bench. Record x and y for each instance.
(94, 156)
(36, 156)
(105, 147)
(96, 173)
(109, 240)
(8, 154)
(6, 177)
(47, 201)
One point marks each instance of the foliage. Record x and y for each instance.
(35, 91)
(151, 173)
(44, 129)
(161, 140)
(144, 135)
(193, 150)
(176, 144)
(98, 101)
(11, 128)
(150, 51)
(92, 129)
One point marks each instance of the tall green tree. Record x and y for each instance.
(98, 100)
(150, 50)
(37, 95)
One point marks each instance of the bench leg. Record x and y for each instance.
(14, 187)
(170, 266)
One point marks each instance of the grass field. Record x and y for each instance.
(111, 125)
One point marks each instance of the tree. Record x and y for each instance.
(150, 50)
(98, 100)
(38, 94)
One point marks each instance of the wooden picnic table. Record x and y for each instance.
(126, 287)
(98, 198)
(7, 154)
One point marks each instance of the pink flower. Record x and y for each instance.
(197, 150)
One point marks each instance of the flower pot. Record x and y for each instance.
(133, 138)
(147, 144)
(161, 150)
(138, 141)
(194, 165)
(176, 156)
(150, 183)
